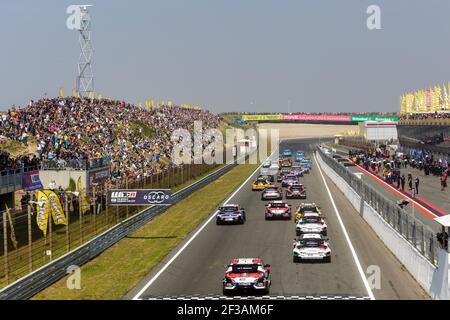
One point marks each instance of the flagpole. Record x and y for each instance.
(5, 247)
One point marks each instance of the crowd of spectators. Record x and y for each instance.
(70, 130)
(10, 164)
(390, 167)
(425, 116)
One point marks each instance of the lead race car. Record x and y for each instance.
(230, 214)
(247, 274)
(311, 222)
(311, 246)
(278, 210)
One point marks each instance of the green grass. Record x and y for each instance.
(116, 271)
(146, 130)
(13, 147)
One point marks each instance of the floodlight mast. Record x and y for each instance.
(85, 78)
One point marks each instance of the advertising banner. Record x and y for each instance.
(318, 117)
(99, 176)
(31, 181)
(139, 197)
(363, 118)
(261, 117)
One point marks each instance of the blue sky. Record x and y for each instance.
(231, 55)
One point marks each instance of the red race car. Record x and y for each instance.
(247, 274)
(278, 210)
(296, 191)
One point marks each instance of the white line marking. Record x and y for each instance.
(352, 249)
(156, 276)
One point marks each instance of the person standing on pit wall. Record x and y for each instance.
(403, 181)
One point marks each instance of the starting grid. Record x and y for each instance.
(271, 297)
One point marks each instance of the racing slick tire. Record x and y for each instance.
(327, 259)
(296, 259)
(218, 223)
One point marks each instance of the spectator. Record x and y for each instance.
(416, 183)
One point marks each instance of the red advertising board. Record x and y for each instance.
(314, 117)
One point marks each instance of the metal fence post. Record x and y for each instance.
(66, 209)
(30, 241)
(5, 247)
(126, 187)
(94, 195)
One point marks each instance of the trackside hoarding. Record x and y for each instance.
(138, 197)
(319, 118)
(363, 118)
(313, 117)
(261, 117)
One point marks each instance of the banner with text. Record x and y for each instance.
(139, 197)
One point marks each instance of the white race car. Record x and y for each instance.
(311, 246)
(311, 222)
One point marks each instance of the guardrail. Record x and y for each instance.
(410, 228)
(38, 280)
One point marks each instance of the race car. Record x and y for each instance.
(247, 274)
(306, 162)
(260, 184)
(287, 153)
(311, 222)
(296, 191)
(299, 155)
(267, 177)
(272, 193)
(286, 163)
(289, 180)
(282, 173)
(267, 164)
(278, 210)
(298, 171)
(230, 214)
(306, 207)
(305, 169)
(311, 246)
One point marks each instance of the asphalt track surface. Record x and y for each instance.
(196, 266)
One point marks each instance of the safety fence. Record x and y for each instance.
(421, 236)
(33, 250)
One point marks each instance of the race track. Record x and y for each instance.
(196, 266)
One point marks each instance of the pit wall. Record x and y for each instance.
(432, 279)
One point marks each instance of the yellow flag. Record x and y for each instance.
(56, 208)
(83, 202)
(90, 95)
(61, 92)
(169, 103)
(42, 212)
(74, 92)
(99, 97)
(11, 225)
